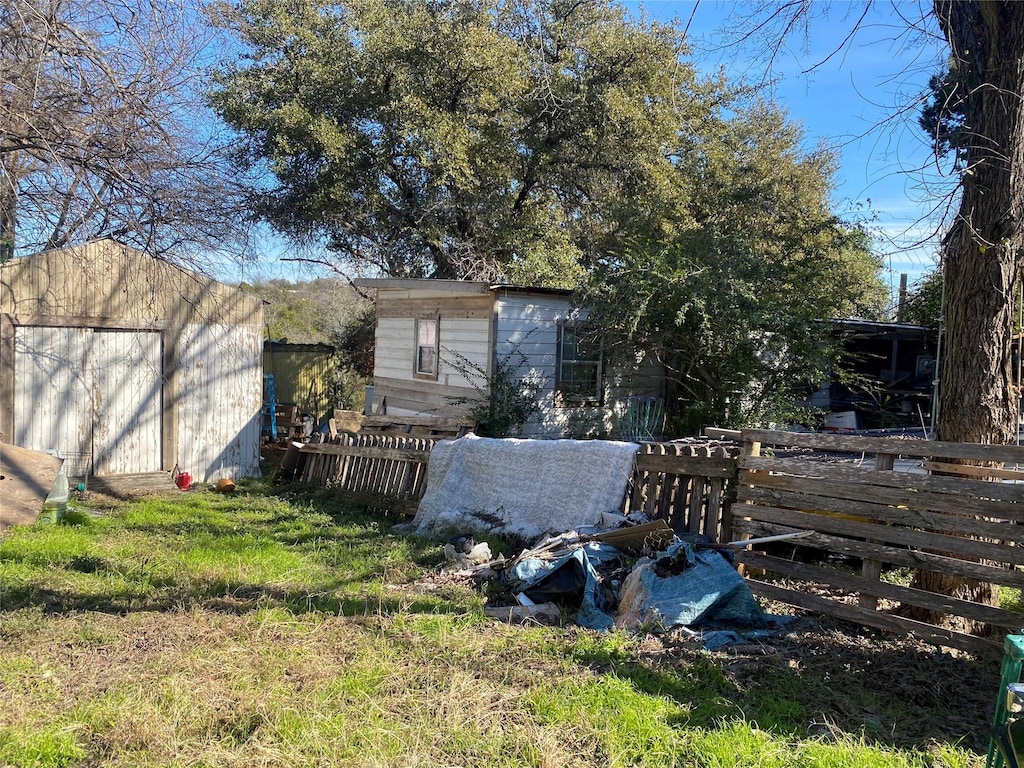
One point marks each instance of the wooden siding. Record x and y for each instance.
(127, 382)
(52, 391)
(219, 394)
(394, 349)
(531, 322)
(465, 353)
(106, 280)
(464, 339)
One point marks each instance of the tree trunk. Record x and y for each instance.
(977, 401)
(978, 398)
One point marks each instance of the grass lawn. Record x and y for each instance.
(288, 628)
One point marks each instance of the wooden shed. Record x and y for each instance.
(125, 363)
(439, 341)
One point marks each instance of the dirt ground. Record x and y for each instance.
(887, 689)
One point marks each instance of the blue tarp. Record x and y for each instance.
(707, 591)
(682, 586)
(571, 576)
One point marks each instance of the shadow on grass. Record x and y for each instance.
(888, 693)
(237, 598)
(186, 552)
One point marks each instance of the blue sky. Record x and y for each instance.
(862, 101)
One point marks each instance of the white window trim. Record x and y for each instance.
(596, 397)
(416, 372)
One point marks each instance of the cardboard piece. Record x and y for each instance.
(25, 480)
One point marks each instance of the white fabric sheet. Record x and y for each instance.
(525, 488)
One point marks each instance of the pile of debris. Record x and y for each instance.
(637, 575)
(605, 569)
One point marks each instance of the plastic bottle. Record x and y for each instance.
(56, 505)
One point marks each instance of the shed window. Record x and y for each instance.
(579, 366)
(426, 347)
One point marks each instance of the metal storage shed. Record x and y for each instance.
(129, 364)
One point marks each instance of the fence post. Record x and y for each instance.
(750, 448)
(872, 569)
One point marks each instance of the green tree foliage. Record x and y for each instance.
(923, 303)
(943, 114)
(558, 143)
(729, 284)
(308, 312)
(472, 139)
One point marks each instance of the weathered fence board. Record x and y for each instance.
(388, 465)
(857, 615)
(685, 485)
(906, 595)
(886, 513)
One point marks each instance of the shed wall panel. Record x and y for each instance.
(220, 391)
(128, 397)
(395, 348)
(528, 325)
(52, 390)
(465, 352)
(301, 376)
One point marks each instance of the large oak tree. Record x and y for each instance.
(559, 143)
(471, 139)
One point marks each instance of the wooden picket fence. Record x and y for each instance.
(687, 486)
(883, 512)
(383, 465)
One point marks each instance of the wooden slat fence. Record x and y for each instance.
(385, 465)
(687, 486)
(881, 507)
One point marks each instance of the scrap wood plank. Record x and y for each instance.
(885, 621)
(888, 534)
(656, 534)
(969, 525)
(917, 482)
(853, 583)
(934, 502)
(910, 558)
(25, 481)
(970, 470)
(713, 513)
(696, 506)
(715, 466)
(368, 452)
(1011, 454)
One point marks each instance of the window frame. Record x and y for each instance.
(417, 372)
(563, 391)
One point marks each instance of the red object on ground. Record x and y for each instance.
(183, 480)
